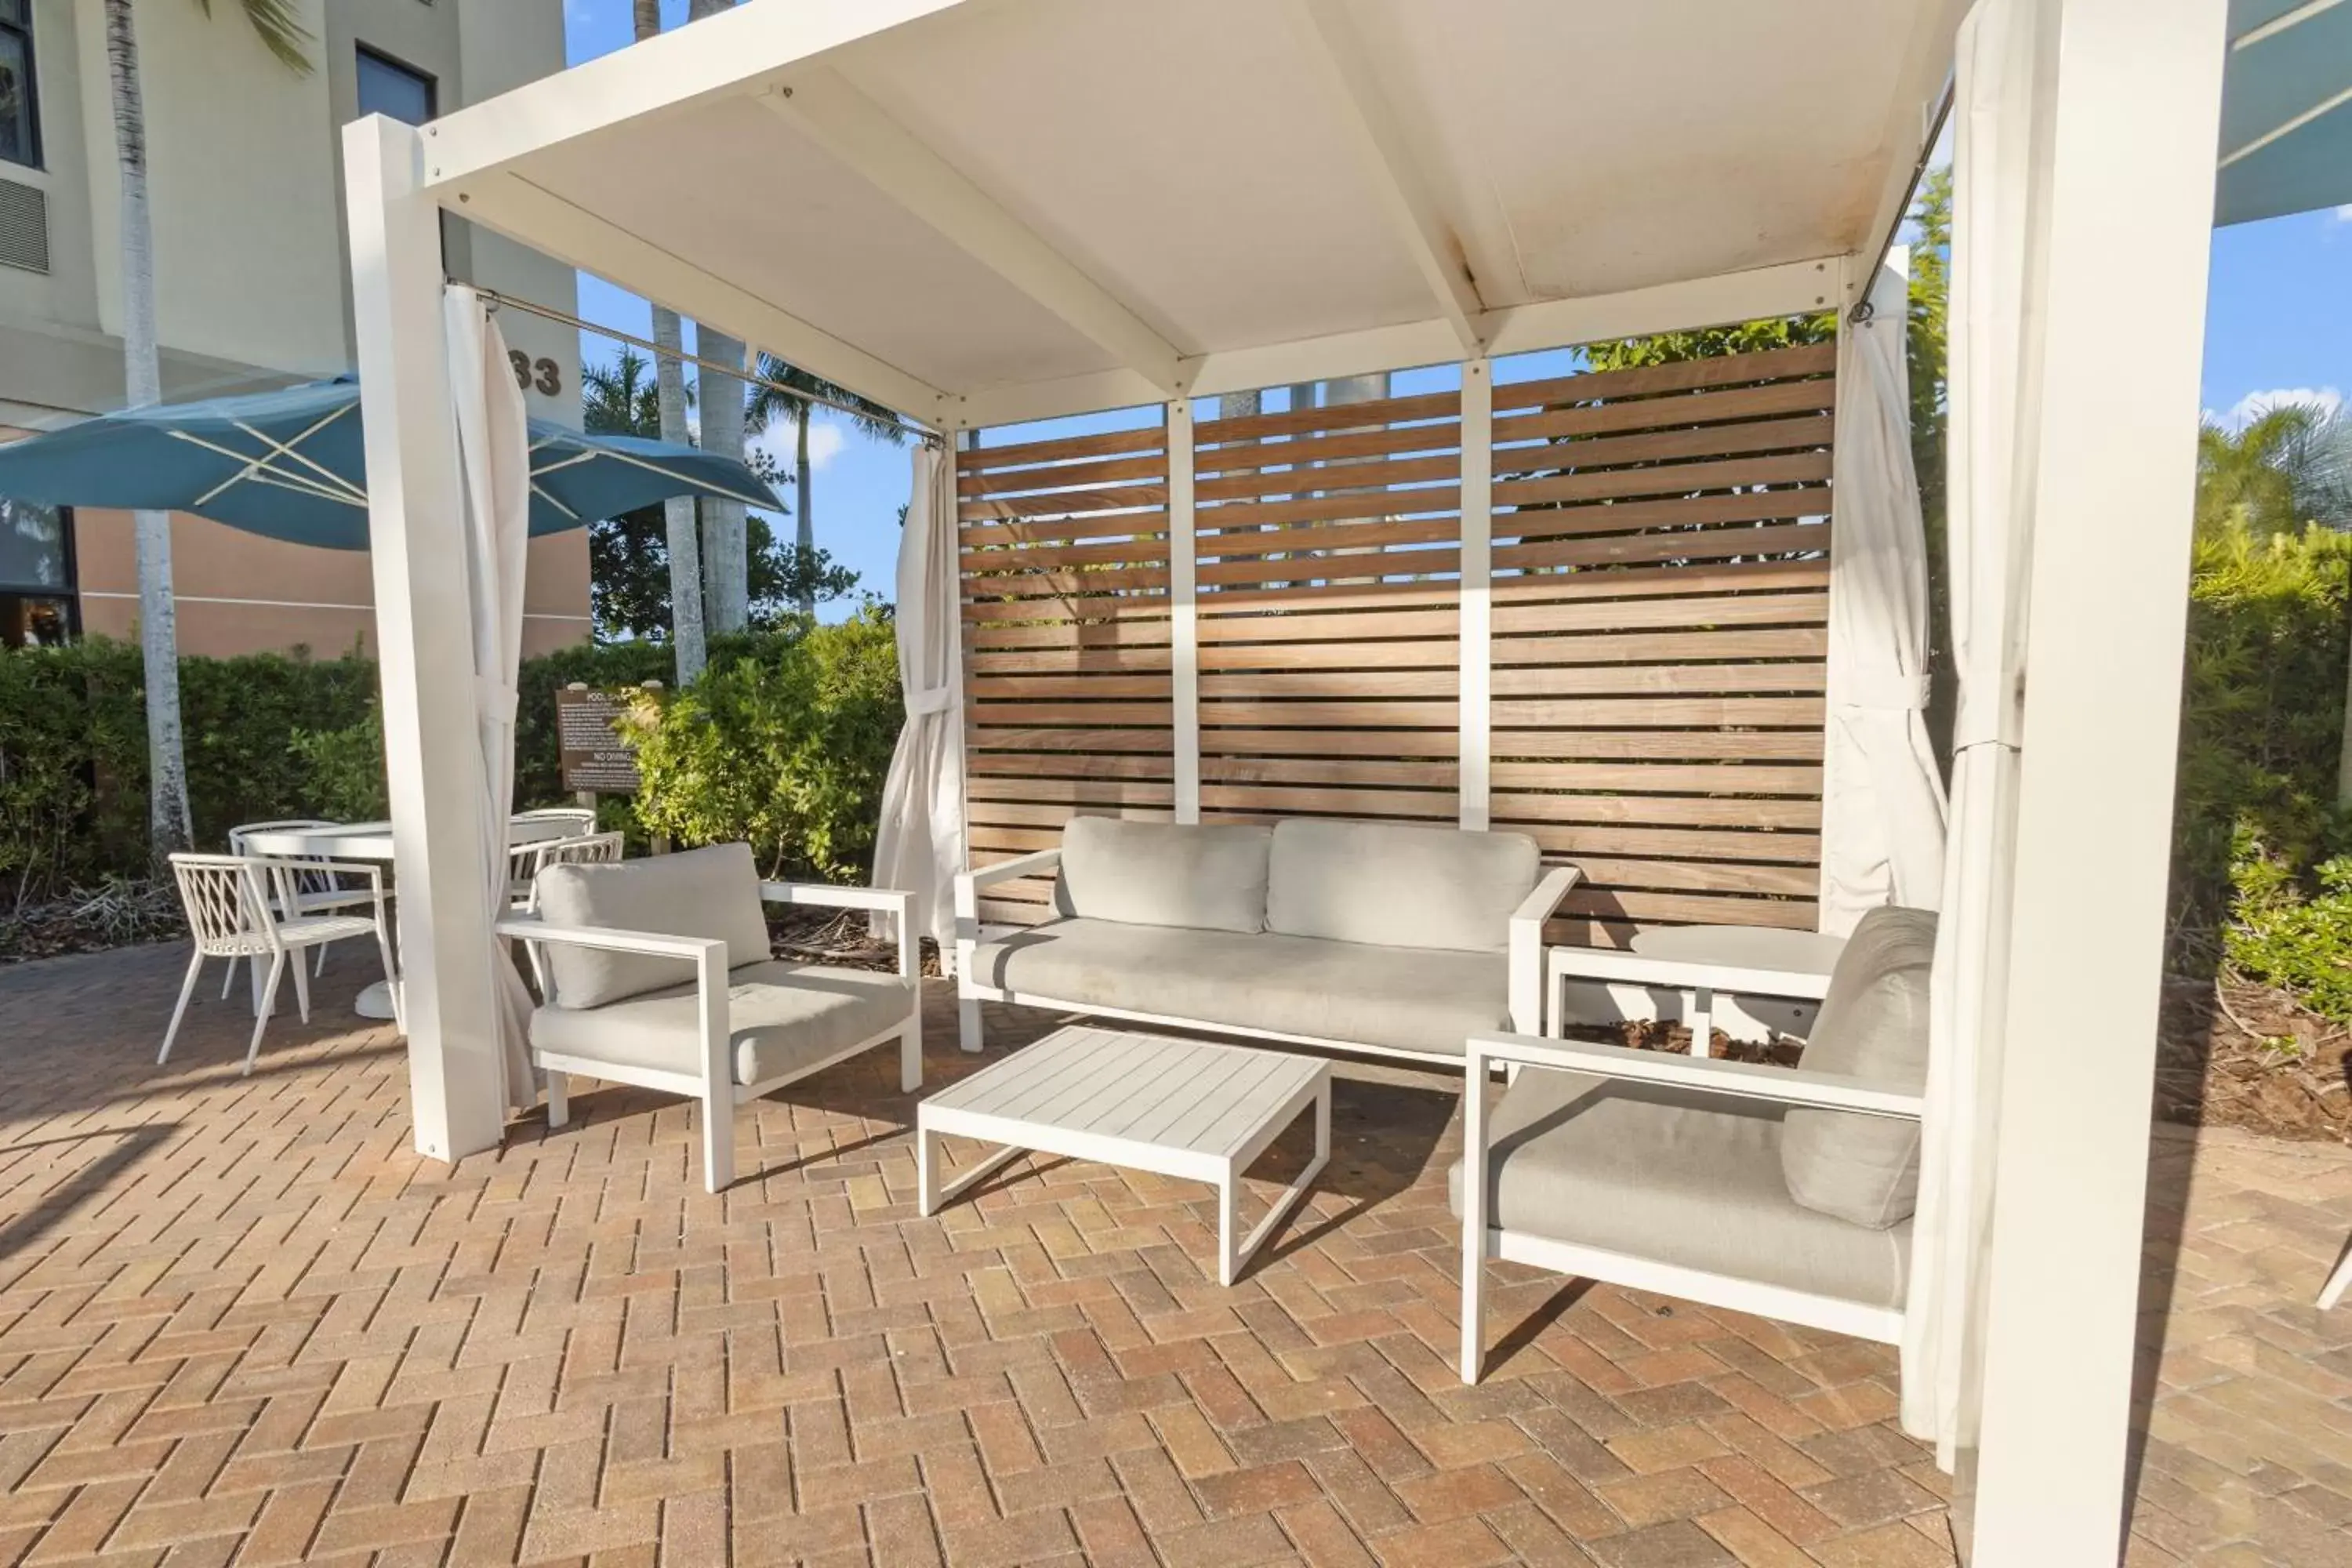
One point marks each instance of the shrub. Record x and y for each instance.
(783, 742)
(272, 735)
(2256, 881)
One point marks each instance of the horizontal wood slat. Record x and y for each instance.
(1659, 614)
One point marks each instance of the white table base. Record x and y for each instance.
(1161, 1103)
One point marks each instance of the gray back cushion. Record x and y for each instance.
(1390, 885)
(1163, 874)
(1872, 1025)
(710, 892)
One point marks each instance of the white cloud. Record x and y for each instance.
(781, 441)
(2344, 213)
(2254, 405)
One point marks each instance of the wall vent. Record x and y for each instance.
(24, 226)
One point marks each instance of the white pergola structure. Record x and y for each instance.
(987, 211)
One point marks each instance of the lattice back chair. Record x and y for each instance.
(315, 889)
(522, 859)
(581, 819)
(235, 906)
(587, 849)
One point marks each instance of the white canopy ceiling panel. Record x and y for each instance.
(785, 221)
(979, 209)
(1589, 149)
(1168, 150)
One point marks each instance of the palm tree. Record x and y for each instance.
(678, 512)
(2288, 466)
(726, 543)
(785, 391)
(168, 823)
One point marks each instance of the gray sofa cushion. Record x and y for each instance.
(1872, 1025)
(1676, 1178)
(782, 1018)
(710, 892)
(1406, 999)
(1158, 873)
(1389, 886)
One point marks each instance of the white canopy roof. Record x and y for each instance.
(998, 209)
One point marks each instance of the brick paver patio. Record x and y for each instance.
(240, 1321)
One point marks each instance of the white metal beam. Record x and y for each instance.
(1790, 289)
(831, 112)
(1183, 609)
(425, 644)
(548, 222)
(1910, 121)
(1336, 54)
(2129, 112)
(741, 50)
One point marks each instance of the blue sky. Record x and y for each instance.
(2279, 325)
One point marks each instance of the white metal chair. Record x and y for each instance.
(523, 859)
(660, 977)
(581, 818)
(236, 908)
(2333, 1291)
(316, 890)
(1719, 1182)
(588, 849)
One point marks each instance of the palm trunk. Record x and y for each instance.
(168, 825)
(726, 553)
(805, 535)
(678, 514)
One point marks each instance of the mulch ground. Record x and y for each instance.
(2231, 1054)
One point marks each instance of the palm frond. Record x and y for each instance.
(281, 30)
(785, 391)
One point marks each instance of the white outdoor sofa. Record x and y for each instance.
(1784, 1192)
(1356, 936)
(614, 940)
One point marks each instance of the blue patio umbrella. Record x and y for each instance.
(291, 465)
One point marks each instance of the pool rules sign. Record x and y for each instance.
(596, 759)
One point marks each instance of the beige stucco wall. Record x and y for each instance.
(252, 278)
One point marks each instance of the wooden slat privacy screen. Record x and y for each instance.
(1659, 601)
(1068, 702)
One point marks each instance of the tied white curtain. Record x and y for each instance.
(1995, 230)
(494, 446)
(920, 845)
(1882, 815)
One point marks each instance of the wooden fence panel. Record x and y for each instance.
(1329, 614)
(1657, 664)
(1067, 685)
(1661, 559)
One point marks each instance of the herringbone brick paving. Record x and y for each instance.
(241, 1322)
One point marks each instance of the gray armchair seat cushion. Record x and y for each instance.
(1874, 1025)
(1390, 885)
(1407, 999)
(781, 1016)
(712, 892)
(1673, 1177)
(1165, 874)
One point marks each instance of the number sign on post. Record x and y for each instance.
(596, 759)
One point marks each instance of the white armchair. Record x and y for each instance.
(745, 1025)
(1785, 1192)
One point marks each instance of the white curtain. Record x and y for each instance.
(1995, 225)
(920, 845)
(494, 446)
(1883, 811)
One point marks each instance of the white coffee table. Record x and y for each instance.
(1161, 1103)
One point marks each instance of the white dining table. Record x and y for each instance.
(372, 841)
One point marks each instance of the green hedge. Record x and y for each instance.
(2258, 878)
(810, 713)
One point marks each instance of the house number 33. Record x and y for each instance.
(530, 374)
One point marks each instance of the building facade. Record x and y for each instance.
(252, 283)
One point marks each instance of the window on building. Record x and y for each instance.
(389, 89)
(20, 125)
(36, 575)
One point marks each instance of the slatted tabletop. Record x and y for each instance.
(1158, 1090)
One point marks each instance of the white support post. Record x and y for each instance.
(1477, 595)
(457, 1084)
(1183, 623)
(2130, 100)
